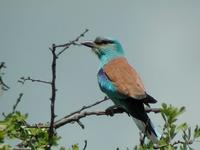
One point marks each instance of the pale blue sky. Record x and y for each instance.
(161, 40)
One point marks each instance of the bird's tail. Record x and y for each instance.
(136, 109)
(148, 129)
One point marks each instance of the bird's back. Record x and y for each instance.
(124, 78)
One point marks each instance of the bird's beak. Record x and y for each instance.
(89, 44)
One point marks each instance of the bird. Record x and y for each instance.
(122, 84)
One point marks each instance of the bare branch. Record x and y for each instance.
(23, 80)
(17, 102)
(73, 42)
(83, 108)
(53, 97)
(84, 148)
(178, 142)
(4, 86)
(79, 115)
(81, 124)
(2, 65)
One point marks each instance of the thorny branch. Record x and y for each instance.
(17, 102)
(84, 148)
(15, 105)
(23, 80)
(53, 97)
(2, 65)
(79, 115)
(3, 85)
(73, 42)
(83, 108)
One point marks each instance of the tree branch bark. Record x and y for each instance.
(76, 116)
(79, 115)
(53, 97)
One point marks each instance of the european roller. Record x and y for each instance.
(122, 84)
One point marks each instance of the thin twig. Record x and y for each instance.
(4, 86)
(80, 124)
(2, 65)
(17, 102)
(84, 148)
(23, 80)
(83, 108)
(178, 142)
(73, 42)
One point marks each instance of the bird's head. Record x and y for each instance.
(105, 48)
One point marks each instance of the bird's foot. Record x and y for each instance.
(114, 109)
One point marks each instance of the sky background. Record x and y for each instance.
(160, 38)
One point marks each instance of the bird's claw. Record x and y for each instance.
(109, 111)
(114, 109)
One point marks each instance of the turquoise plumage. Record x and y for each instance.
(121, 83)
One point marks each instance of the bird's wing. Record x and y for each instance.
(125, 78)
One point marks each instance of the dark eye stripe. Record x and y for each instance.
(100, 42)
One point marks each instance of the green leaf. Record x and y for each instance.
(169, 147)
(162, 143)
(172, 132)
(5, 147)
(75, 147)
(62, 148)
(189, 133)
(182, 110)
(182, 127)
(163, 116)
(196, 132)
(164, 105)
(2, 134)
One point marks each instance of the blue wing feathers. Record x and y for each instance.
(105, 84)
